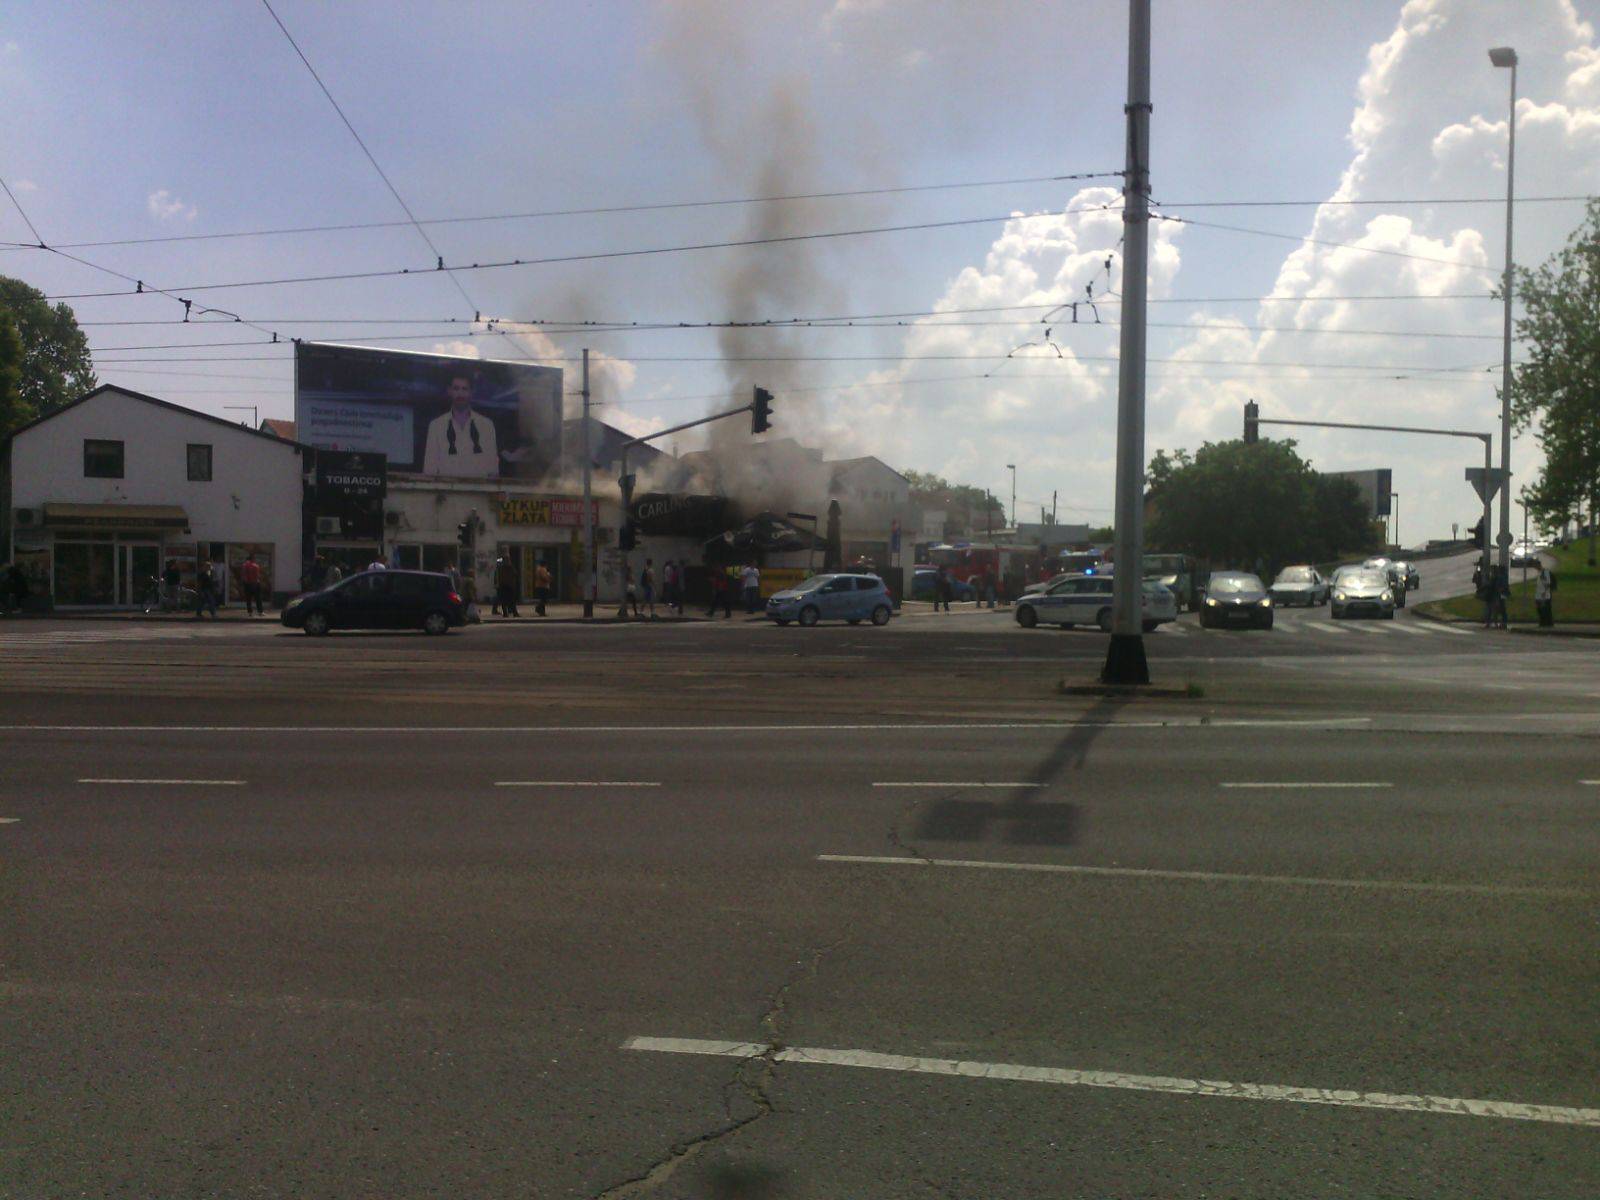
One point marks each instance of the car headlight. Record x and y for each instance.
(1266, 602)
(1339, 596)
(1387, 596)
(1210, 601)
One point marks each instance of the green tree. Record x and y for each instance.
(55, 366)
(10, 372)
(1238, 505)
(1558, 382)
(967, 509)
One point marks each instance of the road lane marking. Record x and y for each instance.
(1398, 885)
(1318, 784)
(1438, 627)
(1404, 627)
(1365, 628)
(1510, 1110)
(909, 727)
(1590, 782)
(591, 783)
(173, 782)
(1326, 627)
(10, 820)
(956, 784)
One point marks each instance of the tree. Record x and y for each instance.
(1238, 504)
(10, 373)
(55, 365)
(1558, 381)
(980, 509)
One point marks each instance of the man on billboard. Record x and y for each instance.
(461, 441)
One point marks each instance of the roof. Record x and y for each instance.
(278, 428)
(167, 404)
(840, 465)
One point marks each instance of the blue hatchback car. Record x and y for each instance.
(852, 598)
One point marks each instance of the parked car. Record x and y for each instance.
(1179, 574)
(380, 600)
(924, 584)
(1086, 600)
(853, 598)
(1360, 590)
(1300, 585)
(1236, 598)
(1524, 554)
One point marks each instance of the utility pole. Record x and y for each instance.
(1053, 494)
(1012, 467)
(1506, 57)
(590, 568)
(1125, 658)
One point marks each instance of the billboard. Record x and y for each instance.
(461, 418)
(1374, 486)
(351, 485)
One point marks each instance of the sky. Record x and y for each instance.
(131, 123)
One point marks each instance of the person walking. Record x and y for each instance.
(205, 594)
(513, 587)
(250, 577)
(630, 591)
(721, 592)
(941, 589)
(335, 574)
(541, 586)
(647, 581)
(171, 583)
(1483, 589)
(505, 587)
(1544, 594)
(669, 584)
(750, 577)
(1501, 594)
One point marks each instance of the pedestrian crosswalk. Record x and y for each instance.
(23, 637)
(1400, 627)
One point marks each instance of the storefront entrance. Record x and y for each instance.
(104, 573)
(138, 570)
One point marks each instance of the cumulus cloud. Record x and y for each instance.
(164, 207)
(25, 185)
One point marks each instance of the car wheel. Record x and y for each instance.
(1104, 620)
(316, 624)
(1026, 617)
(881, 615)
(809, 615)
(435, 623)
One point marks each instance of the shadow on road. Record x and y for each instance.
(1022, 820)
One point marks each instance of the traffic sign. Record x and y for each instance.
(1476, 477)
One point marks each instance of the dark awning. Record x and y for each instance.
(116, 516)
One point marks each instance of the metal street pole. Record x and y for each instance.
(1125, 658)
(1395, 496)
(591, 573)
(1505, 56)
(1012, 467)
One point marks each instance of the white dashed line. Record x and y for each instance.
(586, 783)
(173, 782)
(1435, 627)
(10, 820)
(955, 784)
(1122, 1081)
(1395, 885)
(1319, 784)
(1326, 627)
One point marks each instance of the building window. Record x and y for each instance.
(199, 463)
(102, 460)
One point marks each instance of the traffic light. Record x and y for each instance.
(1252, 422)
(1476, 533)
(627, 535)
(466, 532)
(761, 414)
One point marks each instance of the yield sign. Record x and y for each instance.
(1485, 481)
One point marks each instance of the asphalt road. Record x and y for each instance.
(690, 911)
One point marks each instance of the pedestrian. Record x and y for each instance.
(669, 584)
(721, 592)
(941, 589)
(505, 587)
(205, 595)
(494, 584)
(171, 582)
(250, 578)
(988, 585)
(1544, 592)
(1483, 589)
(514, 586)
(647, 581)
(750, 577)
(1502, 593)
(469, 597)
(630, 591)
(541, 586)
(377, 564)
(335, 574)
(680, 587)
(317, 576)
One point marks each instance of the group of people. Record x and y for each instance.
(671, 586)
(508, 586)
(944, 587)
(1494, 590)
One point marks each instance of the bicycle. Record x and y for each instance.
(158, 595)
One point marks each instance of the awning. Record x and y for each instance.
(116, 516)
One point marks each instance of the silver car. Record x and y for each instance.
(1086, 600)
(1300, 585)
(1358, 590)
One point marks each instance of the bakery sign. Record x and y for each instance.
(560, 511)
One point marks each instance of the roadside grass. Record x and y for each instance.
(1577, 598)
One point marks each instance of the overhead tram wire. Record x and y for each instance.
(583, 212)
(382, 174)
(1305, 239)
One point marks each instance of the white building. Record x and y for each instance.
(97, 497)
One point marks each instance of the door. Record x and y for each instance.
(362, 603)
(138, 565)
(834, 597)
(1087, 598)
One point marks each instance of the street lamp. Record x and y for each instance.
(1395, 496)
(1506, 57)
(1012, 467)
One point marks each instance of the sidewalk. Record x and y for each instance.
(1578, 629)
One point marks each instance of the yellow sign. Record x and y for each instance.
(524, 511)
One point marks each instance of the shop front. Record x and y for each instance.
(100, 555)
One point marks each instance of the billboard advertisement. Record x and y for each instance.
(350, 488)
(1374, 486)
(461, 418)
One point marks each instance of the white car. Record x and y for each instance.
(1086, 600)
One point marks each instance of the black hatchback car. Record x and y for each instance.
(1236, 598)
(380, 600)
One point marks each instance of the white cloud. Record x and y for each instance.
(25, 185)
(164, 206)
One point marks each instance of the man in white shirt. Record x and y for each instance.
(461, 441)
(750, 577)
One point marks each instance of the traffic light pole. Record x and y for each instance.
(760, 408)
(1125, 658)
(591, 575)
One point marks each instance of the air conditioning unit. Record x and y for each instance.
(327, 526)
(26, 518)
(391, 518)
